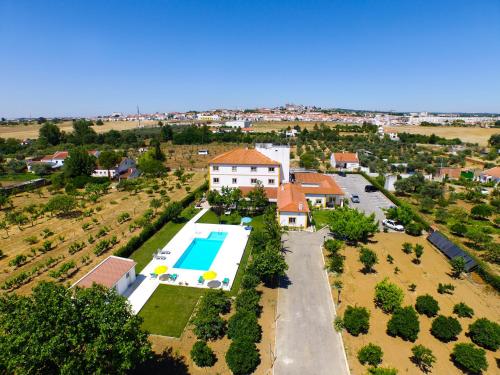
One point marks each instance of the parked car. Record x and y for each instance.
(393, 225)
(355, 198)
(370, 188)
(342, 174)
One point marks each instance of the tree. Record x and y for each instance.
(79, 163)
(419, 251)
(50, 133)
(485, 333)
(248, 301)
(352, 225)
(446, 328)
(83, 133)
(61, 204)
(202, 355)
(458, 229)
(368, 258)
(156, 153)
(244, 325)
(209, 326)
(469, 358)
(457, 266)
(356, 320)
(155, 204)
(413, 229)
(481, 211)
(388, 296)
(257, 198)
(402, 214)
(41, 169)
(86, 340)
(150, 166)
(463, 311)
(215, 300)
(166, 133)
(478, 236)
(370, 354)
(423, 357)
(108, 160)
(404, 323)
(242, 357)
(268, 266)
(427, 305)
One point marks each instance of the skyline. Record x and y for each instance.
(87, 59)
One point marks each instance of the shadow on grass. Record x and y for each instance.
(167, 362)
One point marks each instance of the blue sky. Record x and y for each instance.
(95, 57)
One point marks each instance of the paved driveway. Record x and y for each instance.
(369, 202)
(306, 342)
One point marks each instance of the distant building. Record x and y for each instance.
(291, 133)
(450, 173)
(122, 167)
(202, 116)
(238, 124)
(57, 159)
(492, 174)
(203, 152)
(345, 160)
(113, 272)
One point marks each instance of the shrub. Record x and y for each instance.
(419, 251)
(31, 240)
(382, 371)
(209, 326)
(404, 323)
(445, 288)
(427, 305)
(370, 354)
(388, 296)
(249, 281)
(336, 263)
(18, 260)
(423, 357)
(390, 259)
(248, 300)
(407, 248)
(202, 355)
(463, 311)
(445, 328)
(242, 357)
(485, 333)
(244, 325)
(458, 229)
(215, 300)
(413, 229)
(368, 258)
(469, 358)
(356, 320)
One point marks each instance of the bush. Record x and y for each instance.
(413, 229)
(445, 288)
(336, 263)
(485, 333)
(215, 300)
(244, 325)
(202, 355)
(404, 323)
(248, 300)
(382, 371)
(407, 248)
(388, 296)
(463, 311)
(356, 320)
(458, 229)
(445, 328)
(368, 258)
(370, 354)
(209, 326)
(249, 281)
(469, 358)
(242, 357)
(423, 357)
(427, 305)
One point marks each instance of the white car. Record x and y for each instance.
(393, 225)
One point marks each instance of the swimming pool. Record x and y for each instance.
(201, 252)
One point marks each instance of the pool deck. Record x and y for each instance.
(225, 263)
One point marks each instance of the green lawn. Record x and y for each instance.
(211, 218)
(321, 217)
(168, 310)
(144, 254)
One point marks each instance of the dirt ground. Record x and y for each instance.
(111, 204)
(187, 155)
(358, 289)
(466, 134)
(182, 346)
(31, 131)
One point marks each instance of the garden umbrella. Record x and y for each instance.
(160, 269)
(246, 220)
(210, 275)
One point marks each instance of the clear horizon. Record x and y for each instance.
(93, 58)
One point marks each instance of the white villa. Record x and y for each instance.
(345, 160)
(122, 167)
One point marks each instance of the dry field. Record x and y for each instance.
(111, 205)
(466, 134)
(182, 346)
(31, 131)
(187, 155)
(358, 289)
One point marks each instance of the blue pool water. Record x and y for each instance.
(201, 252)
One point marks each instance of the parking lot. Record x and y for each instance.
(369, 203)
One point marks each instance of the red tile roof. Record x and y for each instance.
(272, 193)
(494, 172)
(291, 199)
(107, 273)
(317, 183)
(346, 157)
(450, 172)
(242, 156)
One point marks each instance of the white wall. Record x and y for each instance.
(122, 285)
(243, 176)
(279, 153)
(300, 219)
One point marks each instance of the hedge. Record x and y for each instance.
(173, 210)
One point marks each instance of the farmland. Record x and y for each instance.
(358, 289)
(95, 222)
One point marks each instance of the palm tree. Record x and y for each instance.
(337, 284)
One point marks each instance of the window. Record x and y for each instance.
(215, 167)
(318, 201)
(253, 181)
(215, 180)
(234, 168)
(127, 275)
(235, 180)
(253, 169)
(291, 220)
(271, 169)
(270, 181)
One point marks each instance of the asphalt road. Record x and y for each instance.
(369, 202)
(306, 342)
